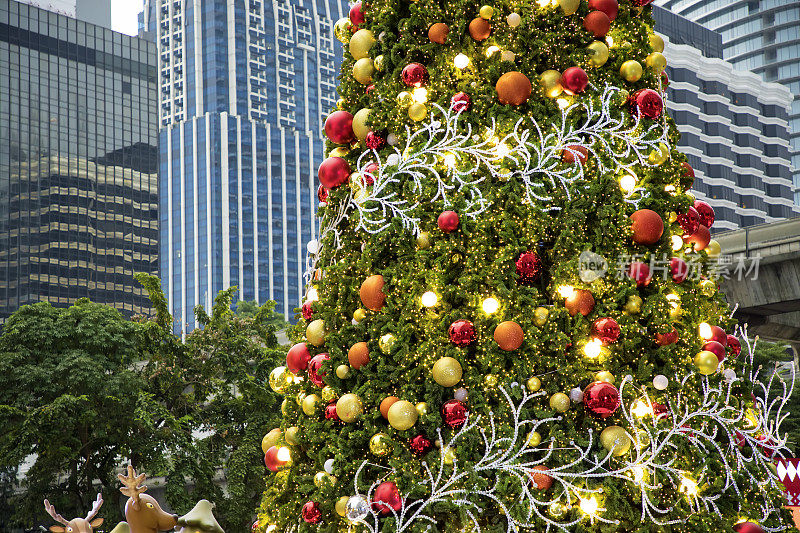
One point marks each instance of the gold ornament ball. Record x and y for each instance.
(285, 407)
(417, 112)
(631, 70)
(363, 70)
(423, 240)
(279, 379)
(514, 20)
(490, 380)
(405, 98)
(540, 316)
(341, 506)
(447, 372)
(708, 288)
(633, 305)
(617, 439)
(534, 384)
(292, 435)
(315, 332)
(402, 415)
(339, 151)
(386, 343)
(706, 362)
(643, 438)
(598, 53)
(360, 127)
(422, 408)
(656, 61)
(380, 63)
(534, 439)
(271, 439)
(310, 404)
(341, 103)
(360, 43)
(449, 455)
(300, 397)
(328, 394)
(657, 43)
(342, 371)
(348, 407)
(559, 402)
(550, 82)
(359, 314)
(605, 375)
(659, 156)
(342, 29)
(486, 12)
(713, 249)
(380, 444)
(557, 509)
(569, 6)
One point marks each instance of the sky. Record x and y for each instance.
(123, 15)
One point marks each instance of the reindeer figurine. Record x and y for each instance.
(76, 525)
(142, 511)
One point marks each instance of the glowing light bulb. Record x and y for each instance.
(543, 3)
(677, 243)
(589, 505)
(704, 330)
(751, 417)
(610, 41)
(637, 472)
(627, 183)
(502, 150)
(566, 291)
(563, 103)
(420, 95)
(271, 528)
(688, 486)
(671, 189)
(490, 305)
(429, 299)
(461, 61)
(491, 50)
(450, 160)
(297, 379)
(593, 348)
(641, 409)
(674, 300)
(312, 295)
(284, 454)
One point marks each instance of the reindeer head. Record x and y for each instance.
(142, 511)
(76, 525)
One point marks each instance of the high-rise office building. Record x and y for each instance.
(758, 35)
(94, 11)
(243, 90)
(734, 127)
(78, 161)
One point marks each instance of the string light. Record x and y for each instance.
(589, 505)
(677, 243)
(688, 486)
(461, 61)
(593, 348)
(563, 103)
(429, 299)
(627, 183)
(671, 189)
(490, 305)
(420, 95)
(491, 50)
(641, 409)
(566, 291)
(704, 330)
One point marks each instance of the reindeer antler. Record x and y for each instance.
(132, 484)
(52, 512)
(96, 507)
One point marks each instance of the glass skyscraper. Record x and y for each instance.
(78, 162)
(758, 35)
(244, 86)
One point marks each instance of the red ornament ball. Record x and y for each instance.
(640, 273)
(375, 141)
(734, 346)
(480, 29)
(297, 358)
(575, 80)
(706, 213)
(597, 23)
(646, 103)
(580, 301)
(333, 172)
(647, 226)
(699, 238)
(715, 348)
(420, 445)
(255, 526)
(574, 152)
(369, 173)
(460, 102)
(688, 174)
(660, 410)
(322, 194)
(539, 477)
(356, 15)
(454, 413)
(314, 367)
(448, 221)
(607, 330)
(665, 339)
(748, 527)
(461, 332)
(609, 7)
(641, 3)
(330, 411)
(386, 498)
(689, 222)
(601, 399)
(718, 334)
(528, 266)
(679, 269)
(312, 514)
(272, 461)
(339, 127)
(415, 75)
(308, 310)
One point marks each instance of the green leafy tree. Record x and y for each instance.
(776, 357)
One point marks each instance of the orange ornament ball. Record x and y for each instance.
(386, 404)
(508, 335)
(480, 29)
(597, 23)
(699, 238)
(572, 151)
(371, 292)
(647, 226)
(358, 355)
(437, 33)
(513, 88)
(541, 480)
(580, 301)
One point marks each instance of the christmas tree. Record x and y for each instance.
(512, 321)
